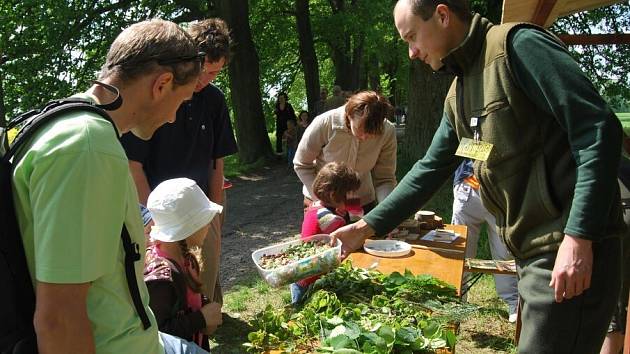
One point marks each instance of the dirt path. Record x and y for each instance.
(263, 208)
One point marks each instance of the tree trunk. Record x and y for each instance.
(426, 104)
(374, 74)
(343, 68)
(347, 53)
(252, 138)
(308, 57)
(347, 60)
(3, 112)
(357, 61)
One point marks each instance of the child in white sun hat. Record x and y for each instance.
(181, 213)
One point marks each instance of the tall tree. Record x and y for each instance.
(308, 56)
(253, 141)
(346, 44)
(427, 91)
(3, 110)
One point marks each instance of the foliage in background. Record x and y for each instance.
(608, 66)
(55, 48)
(273, 27)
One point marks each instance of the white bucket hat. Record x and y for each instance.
(179, 209)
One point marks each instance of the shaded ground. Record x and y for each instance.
(263, 208)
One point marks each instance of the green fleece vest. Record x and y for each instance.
(528, 181)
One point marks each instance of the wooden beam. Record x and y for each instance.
(542, 12)
(595, 39)
(527, 10)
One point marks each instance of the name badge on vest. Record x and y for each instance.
(474, 149)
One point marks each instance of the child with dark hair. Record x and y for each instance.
(304, 119)
(181, 213)
(291, 138)
(332, 185)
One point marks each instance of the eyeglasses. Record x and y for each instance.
(199, 57)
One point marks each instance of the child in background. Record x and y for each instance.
(290, 136)
(181, 213)
(303, 121)
(332, 185)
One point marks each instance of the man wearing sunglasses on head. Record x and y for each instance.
(194, 145)
(73, 193)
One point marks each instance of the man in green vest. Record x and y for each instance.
(545, 147)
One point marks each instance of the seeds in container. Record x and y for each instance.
(293, 254)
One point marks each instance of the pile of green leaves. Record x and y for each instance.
(352, 310)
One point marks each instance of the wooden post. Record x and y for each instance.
(595, 39)
(626, 341)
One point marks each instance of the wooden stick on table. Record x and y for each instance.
(438, 249)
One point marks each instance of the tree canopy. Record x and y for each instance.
(54, 49)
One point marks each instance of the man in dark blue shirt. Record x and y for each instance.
(194, 145)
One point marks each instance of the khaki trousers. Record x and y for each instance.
(211, 256)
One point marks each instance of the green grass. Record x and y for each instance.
(625, 121)
(234, 167)
(240, 304)
(487, 331)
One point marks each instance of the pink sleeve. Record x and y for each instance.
(310, 226)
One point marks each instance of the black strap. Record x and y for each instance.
(132, 255)
(32, 120)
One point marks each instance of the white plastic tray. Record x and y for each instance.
(314, 265)
(387, 248)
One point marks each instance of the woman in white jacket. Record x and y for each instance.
(359, 135)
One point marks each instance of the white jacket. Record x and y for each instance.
(327, 139)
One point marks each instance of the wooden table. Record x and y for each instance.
(444, 261)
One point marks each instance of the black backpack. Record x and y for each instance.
(17, 298)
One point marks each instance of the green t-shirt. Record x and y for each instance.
(73, 190)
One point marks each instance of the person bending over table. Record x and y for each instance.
(359, 135)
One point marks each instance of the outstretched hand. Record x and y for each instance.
(352, 237)
(573, 268)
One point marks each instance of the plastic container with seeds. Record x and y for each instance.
(316, 264)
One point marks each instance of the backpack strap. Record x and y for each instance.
(34, 119)
(132, 255)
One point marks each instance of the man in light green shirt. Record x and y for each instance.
(73, 192)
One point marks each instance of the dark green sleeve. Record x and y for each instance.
(420, 183)
(554, 82)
